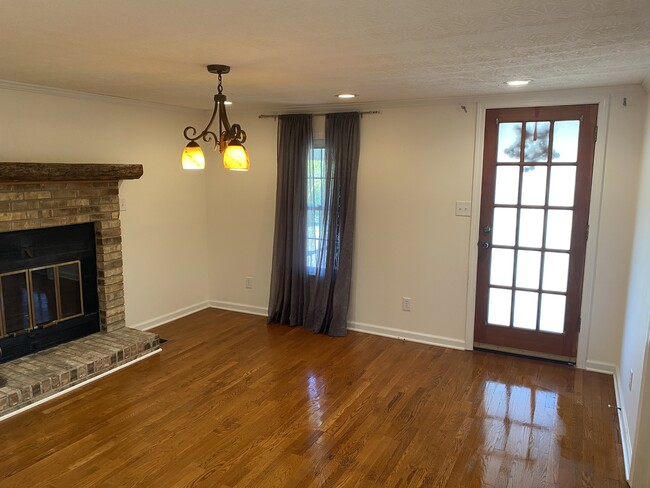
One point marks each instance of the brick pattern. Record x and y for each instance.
(49, 204)
(37, 376)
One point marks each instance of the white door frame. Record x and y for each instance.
(534, 100)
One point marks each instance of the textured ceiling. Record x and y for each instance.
(299, 53)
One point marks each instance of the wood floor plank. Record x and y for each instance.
(231, 402)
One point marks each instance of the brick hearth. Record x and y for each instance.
(35, 377)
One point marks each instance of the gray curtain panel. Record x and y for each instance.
(289, 286)
(317, 299)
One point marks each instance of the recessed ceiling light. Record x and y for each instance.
(518, 82)
(346, 95)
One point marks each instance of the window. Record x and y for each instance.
(316, 188)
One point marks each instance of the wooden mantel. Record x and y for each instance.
(69, 172)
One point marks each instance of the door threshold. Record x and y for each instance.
(523, 353)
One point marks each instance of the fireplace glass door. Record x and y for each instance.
(16, 316)
(39, 297)
(43, 294)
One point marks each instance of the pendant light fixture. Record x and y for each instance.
(230, 140)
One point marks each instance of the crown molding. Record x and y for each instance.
(81, 95)
(272, 109)
(543, 96)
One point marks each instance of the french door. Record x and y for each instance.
(537, 169)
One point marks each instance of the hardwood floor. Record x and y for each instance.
(231, 402)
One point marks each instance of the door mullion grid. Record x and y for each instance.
(522, 148)
(547, 292)
(549, 157)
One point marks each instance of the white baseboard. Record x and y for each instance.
(418, 337)
(626, 440)
(407, 335)
(357, 326)
(168, 317)
(239, 307)
(78, 385)
(598, 367)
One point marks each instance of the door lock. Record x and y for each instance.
(487, 229)
(485, 245)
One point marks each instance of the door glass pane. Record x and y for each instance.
(499, 306)
(563, 185)
(558, 229)
(43, 295)
(536, 143)
(556, 271)
(69, 286)
(502, 266)
(506, 190)
(533, 188)
(531, 227)
(528, 269)
(525, 310)
(565, 141)
(509, 142)
(552, 313)
(504, 226)
(16, 304)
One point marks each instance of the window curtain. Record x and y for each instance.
(318, 300)
(288, 294)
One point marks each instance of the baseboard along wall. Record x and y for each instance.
(410, 336)
(626, 440)
(168, 317)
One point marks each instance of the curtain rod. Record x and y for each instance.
(369, 112)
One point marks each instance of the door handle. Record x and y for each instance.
(485, 245)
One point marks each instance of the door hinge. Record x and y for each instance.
(587, 233)
(497, 120)
(579, 323)
(595, 133)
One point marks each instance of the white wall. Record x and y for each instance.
(241, 208)
(624, 144)
(635, 351)
(415, 163)
(164, 233)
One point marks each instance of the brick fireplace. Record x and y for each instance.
(44, 195)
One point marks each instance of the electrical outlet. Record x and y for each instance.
(463, 209)
(406, 304)
(629, 383)
(249, 282)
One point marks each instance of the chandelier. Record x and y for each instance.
(230, 138)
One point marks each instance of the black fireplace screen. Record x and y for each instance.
(39, 297)
(48, 288)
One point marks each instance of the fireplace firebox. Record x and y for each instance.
(48, 288)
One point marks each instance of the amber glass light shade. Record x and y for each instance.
(193, 157)
(235, 157)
